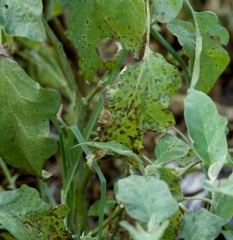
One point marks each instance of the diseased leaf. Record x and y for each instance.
(22, 18)
(200, 225)
(25, 110)
(206, 128)
(92, 20)
(139, 102)
(214, 58)
(166, 10)
(27, 217)
(146, 197)
(170, 148)
(112, 148)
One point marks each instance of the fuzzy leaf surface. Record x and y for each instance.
(146, 197)
(22, 18)
(214, 58)
(27, 217)
(25, 110)
(166, 10)
(140, 101)
(200, 225)
(169, 148)
(97, 19)
(139, 233)
(206, 127)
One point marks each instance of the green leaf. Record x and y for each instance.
(108, 206)
(171, 231)
(146, 197)
(27, 217)
(25, 110)
(92, 20)
(223, 206)
(170, 148)
(166, 10)
(172, 181)
(112, 148)
(228, 235)
(206, 128)
(200, 225)
(139, 233)
(22, 18)
(139, 102)
(226, 188)
(214, 58)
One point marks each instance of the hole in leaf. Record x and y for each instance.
(6, 6)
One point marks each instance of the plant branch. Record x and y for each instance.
(118, 211)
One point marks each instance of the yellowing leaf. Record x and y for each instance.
(139, 102)
(91, 20)
(27, 217)
(214, 58)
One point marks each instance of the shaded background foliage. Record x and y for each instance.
(39, 61)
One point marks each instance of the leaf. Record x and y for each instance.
(228, 234)
(108, 206)
(22, 18)
(139, 233)
(146, 196)
(27, 217)
(206, 128)
(214, 58)
(171, 232)
(200, 225)
(169, 148)
(166, 10)
(172, 181)
(139, 102)
(25, 110)
(226, 188)
(112, 147)
(223, 206)
(92, 20)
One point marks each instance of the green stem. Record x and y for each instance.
(182, 135)
(7, 174)
(196, 198)
(171, 50)
(116, 213)
(102, 198)
(147, 47)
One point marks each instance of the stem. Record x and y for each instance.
(147, 160)
(147, 47)
(182, 135)
(196, 198)
(171, 50)
(116, 213)
(7, 174)
(82, 216)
